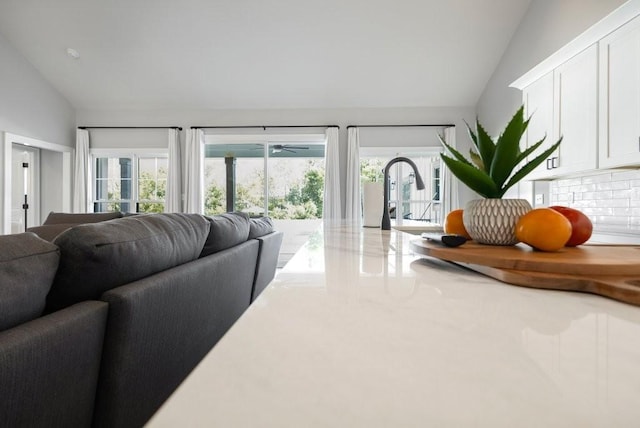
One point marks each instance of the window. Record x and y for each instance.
(260, 175)
(404, 198)
(130, 182)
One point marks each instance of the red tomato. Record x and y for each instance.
(581, 226)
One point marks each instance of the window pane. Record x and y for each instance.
(215, 200)
(296, 183)
(113, 183)
(150, 207)
(152, 182)
(404, 198)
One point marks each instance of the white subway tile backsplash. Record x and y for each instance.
(622, 211)
(598, 178)
(602, 195)
(625, 175)
(610, 220)
(611, 199)
(622, 194)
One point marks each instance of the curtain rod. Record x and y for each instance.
(131, 127)
(264, 127)
(435, 125)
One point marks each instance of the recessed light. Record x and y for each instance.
(73, 53)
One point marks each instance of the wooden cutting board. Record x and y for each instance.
(623, 288)
(583, 260)
(608, 270)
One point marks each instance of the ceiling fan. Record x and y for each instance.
(277, 148)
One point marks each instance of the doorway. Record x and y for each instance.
(280, 176)
(25, 187)
(48, 181)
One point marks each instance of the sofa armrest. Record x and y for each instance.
(49, 368)
(267, 262)
(160, 327)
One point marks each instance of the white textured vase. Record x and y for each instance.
(493, 221)
(372, 204)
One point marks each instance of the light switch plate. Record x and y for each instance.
(540, 199)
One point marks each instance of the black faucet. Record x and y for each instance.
(386, 221)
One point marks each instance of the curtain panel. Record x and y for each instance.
(332, 206)
(81, 173)
(194, 174)
(353, 200)
(451, 200)
(173, 202)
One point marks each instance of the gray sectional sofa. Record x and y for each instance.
(99, 326)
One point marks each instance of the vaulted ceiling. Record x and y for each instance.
(254, 54)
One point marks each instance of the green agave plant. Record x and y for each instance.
(490, 170)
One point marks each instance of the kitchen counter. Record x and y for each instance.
(356, 331)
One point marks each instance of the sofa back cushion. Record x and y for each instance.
(80, 218)
(49, 232)
(27, 267)
(100, 256)
(227, 230)
(259, 227)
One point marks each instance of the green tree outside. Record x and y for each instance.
(303, 200)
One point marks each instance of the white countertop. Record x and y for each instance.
(356, 331)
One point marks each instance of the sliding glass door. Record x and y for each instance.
(284, 180)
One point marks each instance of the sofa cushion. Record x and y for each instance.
(100, 256)
(80, 218)
(49, 232)
(259, 227)
(227, 230)
(27, 267)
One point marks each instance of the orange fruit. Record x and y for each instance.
(453, 224)
(544, 229)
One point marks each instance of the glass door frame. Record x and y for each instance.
(266, 140)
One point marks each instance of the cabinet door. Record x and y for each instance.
(620, 97)
(576, 113)
(538, 104)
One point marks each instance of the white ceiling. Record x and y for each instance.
(233, 54)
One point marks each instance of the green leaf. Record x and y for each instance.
(476, 160)
(486, 147)
(454, 152)
(531, 149)
(507, 149)
(477, 180)
(472, 135)
(522, 172)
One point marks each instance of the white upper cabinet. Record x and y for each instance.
(576, 113)
(620, 97)
(564, 103)
(538, 104)
(595, 97)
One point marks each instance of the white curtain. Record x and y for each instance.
(353, 200)
(332, 207)
(451, 200)
(194, 174)
(81, 173)
(173, 202)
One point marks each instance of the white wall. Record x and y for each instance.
(29, 105)
(340, 117)
(546, 27)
